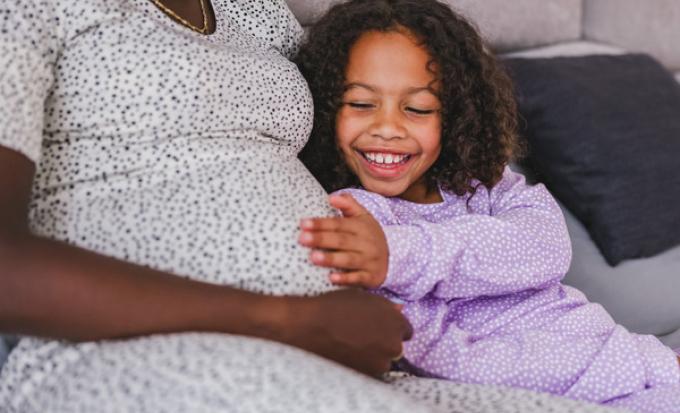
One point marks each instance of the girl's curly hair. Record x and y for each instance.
(479, 113)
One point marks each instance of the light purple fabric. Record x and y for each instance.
(481, 286)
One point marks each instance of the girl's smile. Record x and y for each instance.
(385, 163)
(389, 125)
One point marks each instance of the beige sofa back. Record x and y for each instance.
(650, 26)
(506, 25)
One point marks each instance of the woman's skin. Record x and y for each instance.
(51, 289)
(190, 10)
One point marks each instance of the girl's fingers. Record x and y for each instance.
(337, 224)
(332, 259)
(352, 278)
(347, 205)
(328, 240)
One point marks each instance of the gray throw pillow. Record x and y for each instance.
(604, 136)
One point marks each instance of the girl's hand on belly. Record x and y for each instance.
(350, 326)
(354, 243)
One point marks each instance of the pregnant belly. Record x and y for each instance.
(232, 222)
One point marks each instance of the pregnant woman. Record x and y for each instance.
(149, 200)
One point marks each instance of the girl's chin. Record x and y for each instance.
(383, 189)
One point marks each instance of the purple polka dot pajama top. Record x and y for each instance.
(481, 286)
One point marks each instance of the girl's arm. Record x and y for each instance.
(518, 242)
(522, 243)
(51, 289)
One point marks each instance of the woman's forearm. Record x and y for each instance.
(51, 289)
(54, 290)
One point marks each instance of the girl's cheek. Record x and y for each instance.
(347, 127)
(341, 124)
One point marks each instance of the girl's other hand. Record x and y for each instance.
(354, 243)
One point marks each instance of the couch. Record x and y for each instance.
(641, 294)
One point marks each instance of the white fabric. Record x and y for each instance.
(159, 146)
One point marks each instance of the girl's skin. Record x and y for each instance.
(390, 110)
(51, 289)
(387, 108)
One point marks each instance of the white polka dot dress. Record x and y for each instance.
(162, 146)
(171, 149)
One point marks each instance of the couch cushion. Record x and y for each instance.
(604, 134)
(506, 24)
(652, 27)
(640, 294)
(511, 25)
(577, 48)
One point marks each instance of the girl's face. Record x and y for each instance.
(389, 125)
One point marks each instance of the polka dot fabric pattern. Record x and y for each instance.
(471, 398)
(236, 375)
(164, 147)
(174, 150)
(480, 283)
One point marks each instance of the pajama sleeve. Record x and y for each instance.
(521, 243)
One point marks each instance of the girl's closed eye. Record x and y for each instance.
(421, 112)
(360, 105)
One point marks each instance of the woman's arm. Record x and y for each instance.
(51, 289)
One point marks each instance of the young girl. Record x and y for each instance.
(411, 108)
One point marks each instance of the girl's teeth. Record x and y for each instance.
(384, 158)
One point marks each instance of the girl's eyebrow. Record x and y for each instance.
(359, 84)
(414, 90)
(409, 91)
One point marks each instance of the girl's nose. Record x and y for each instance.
(388, 124)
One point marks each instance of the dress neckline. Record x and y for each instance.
(163, 18)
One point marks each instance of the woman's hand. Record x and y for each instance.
(350, 326)
(354, 243)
